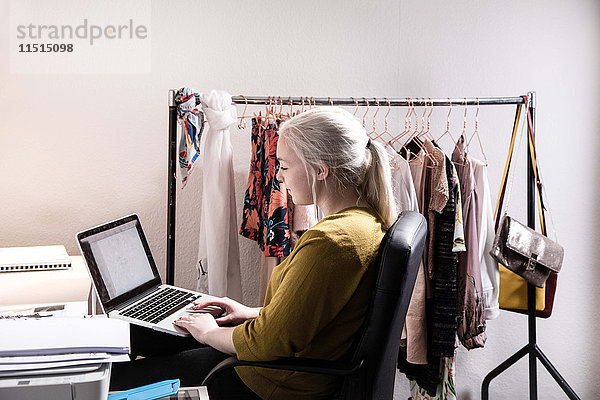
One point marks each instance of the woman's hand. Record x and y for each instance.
(197, 325)
(205, 330)
(234, 312)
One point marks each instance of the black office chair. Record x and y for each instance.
(369, 368)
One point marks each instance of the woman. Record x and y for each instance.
(317, 297)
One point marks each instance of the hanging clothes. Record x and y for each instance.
(459, 232)
(416, 170)
(414, 332)
(439, 184)
(192, 121)
(490, 275)
(265, 214)
(445, 261)
(446, 390)
(403, 187)
(437, 197)
(471, 308)
(449, 241)
(218, 253)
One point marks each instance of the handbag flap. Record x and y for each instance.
(533, 245)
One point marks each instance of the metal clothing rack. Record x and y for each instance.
(531, 347)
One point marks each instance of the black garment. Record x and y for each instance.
(173, 357)
(415, 145)
(445, 295)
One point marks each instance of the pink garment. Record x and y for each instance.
(416, 170)
(301, 219)
(471, 308)
(304, 218)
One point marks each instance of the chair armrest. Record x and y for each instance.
(337, 368)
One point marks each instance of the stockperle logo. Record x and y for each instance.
(87, 31)
(80, 36)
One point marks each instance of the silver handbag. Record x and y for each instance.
(526, 252)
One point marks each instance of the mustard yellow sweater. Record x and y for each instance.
(315, 303)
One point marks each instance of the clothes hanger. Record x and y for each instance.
(429, 119)
(476, 133)
(462, 154)
(406, 130)
(464, 131)
(447, 132)
(365, 116)
(242, 123)
(406, 125)
(385, 123)
(422, 133)
(355, 105)
(393, 163)
(308, 101)
(280, 112)
(270, 110)
(413, 138)
(270, 114)
(427, 133)
(290, 113)
(374, 132)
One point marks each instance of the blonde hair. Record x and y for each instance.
(337, 138)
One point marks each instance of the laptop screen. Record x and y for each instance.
(119, 260)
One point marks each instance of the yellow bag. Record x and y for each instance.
(513, 292)
(513, 288)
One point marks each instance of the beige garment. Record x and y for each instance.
(414, 333)
(415, 326)
(267, 264)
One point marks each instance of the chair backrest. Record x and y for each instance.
(378, 342)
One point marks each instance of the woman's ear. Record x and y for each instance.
(322, 171)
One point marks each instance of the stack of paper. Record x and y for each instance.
(48, 345)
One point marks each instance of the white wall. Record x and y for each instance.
(80, 149)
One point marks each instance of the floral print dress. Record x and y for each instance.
(265, 215)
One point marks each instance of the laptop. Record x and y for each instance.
(126, 279)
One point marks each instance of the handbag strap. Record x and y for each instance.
(505, 176)
(536, 172)
(502, 195)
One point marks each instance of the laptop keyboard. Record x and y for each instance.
(160, 305)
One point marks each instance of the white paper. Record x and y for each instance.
(53, 358)
(46, 336)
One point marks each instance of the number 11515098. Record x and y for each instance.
(46, 48)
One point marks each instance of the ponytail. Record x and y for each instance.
(375, 186)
